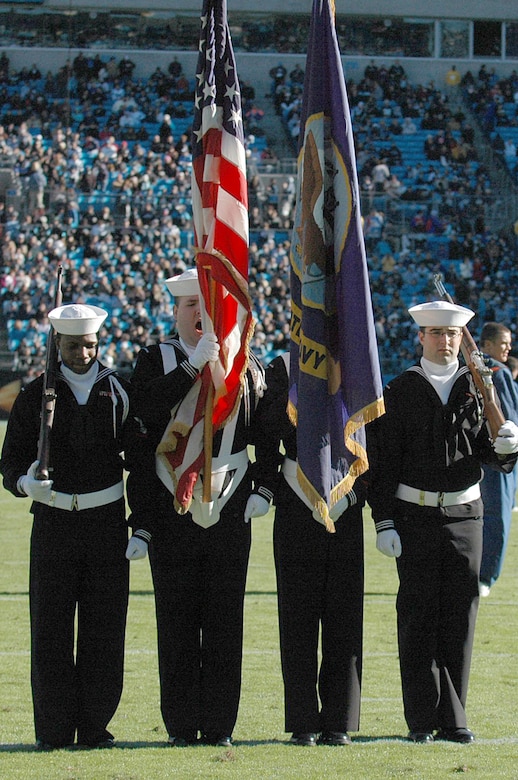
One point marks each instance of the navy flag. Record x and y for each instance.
(335, 377)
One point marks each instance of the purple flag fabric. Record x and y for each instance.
(335, 377)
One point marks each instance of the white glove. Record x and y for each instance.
(207, 351)
(337, 510)
(389, 543)
(37, 489)
(506, 443)
(256, 506)
(136, 549)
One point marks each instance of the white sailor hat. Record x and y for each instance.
(440, 314)
(76, 319)
(185, 283)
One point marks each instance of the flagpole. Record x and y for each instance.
(207, 420)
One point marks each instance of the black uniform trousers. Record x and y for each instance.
(199, 577)
(437, 606)
(77, 562)
(320, 589)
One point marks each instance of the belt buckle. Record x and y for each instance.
(440, 499)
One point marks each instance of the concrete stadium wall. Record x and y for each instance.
(440, 9)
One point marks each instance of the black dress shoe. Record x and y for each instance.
(335, 738)
(181, 741)
(216, 739)
(308, 739)
(462, 736)
(225, 742)
(45, 747)
(101, 744)
(422, 737)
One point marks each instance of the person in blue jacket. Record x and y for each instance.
(498, 489)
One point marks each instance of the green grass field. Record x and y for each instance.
(261, 751)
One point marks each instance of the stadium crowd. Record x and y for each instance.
(495, 101)
(101, 169)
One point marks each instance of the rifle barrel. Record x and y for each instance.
(48, 399)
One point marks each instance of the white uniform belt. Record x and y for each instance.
(79, 501)
(289, 467)
(289, 470)
(222, 488)
(431, 498)
(229, 462)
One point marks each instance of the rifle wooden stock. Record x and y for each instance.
(483, 377)
(48, 399)
(482, 374)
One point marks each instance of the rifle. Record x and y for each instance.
(482, 374)
(48, 399)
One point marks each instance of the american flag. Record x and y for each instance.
(335, 378)
(220, 215)
(220, 206)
